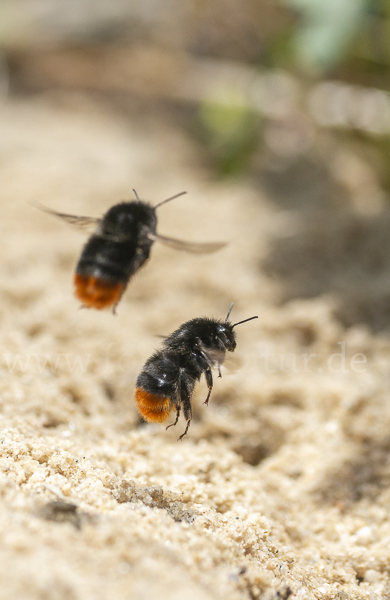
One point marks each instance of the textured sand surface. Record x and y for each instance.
(281, 488)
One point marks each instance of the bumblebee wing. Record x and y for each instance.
(88, 224)
(195, 247)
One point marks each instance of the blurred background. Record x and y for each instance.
(289, 97)
(257, 83)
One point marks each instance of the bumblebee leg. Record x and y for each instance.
(209, 380)
(185, 431)
(219, 371)
(188, 415)
(177, 418)
(185, 391)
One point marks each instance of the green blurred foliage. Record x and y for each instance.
(346, 39)
(342, 40)
(325, 30)
(229, 133)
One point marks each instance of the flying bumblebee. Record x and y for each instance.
(118, 247)
(168, 378)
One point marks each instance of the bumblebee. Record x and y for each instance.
(168, 378)
(118, 247)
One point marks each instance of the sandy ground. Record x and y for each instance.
(281, 487)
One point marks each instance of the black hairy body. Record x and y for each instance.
(122, 243)
(168, 377)
(114, 253)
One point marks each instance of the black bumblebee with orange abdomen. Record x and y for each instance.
(114, 253)
(168, 377)
(118, 247)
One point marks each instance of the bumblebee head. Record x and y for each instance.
(226, 331)
(123, 221)
(226, 336)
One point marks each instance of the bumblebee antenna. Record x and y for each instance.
(244, 321)
(136, 195)
(168, 199)
(229, 311)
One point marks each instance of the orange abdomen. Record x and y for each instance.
(152, 408)
(97, 293)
